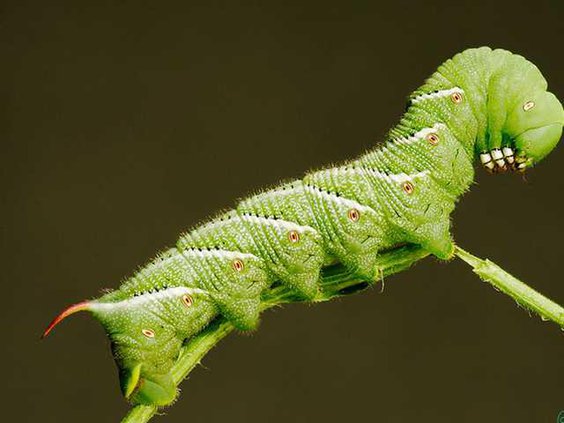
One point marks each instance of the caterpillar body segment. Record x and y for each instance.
(354, 233)
(482, 105)
(225, 276)
(282, 245)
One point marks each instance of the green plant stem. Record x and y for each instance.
(189, 357)
(523, 294)
(336, 281)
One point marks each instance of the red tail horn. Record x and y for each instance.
(65, 313)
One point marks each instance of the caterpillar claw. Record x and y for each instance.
(129, 380)
(141, 385)
(156, 390)
(75, 308)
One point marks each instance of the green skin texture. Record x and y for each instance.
(353, 214)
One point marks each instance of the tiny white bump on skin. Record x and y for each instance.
(508, 154)
(165, 294)
(284, 224)
(420, 135)
(438, 94)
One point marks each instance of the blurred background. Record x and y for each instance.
(125, 123)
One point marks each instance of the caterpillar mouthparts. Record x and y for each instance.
(504, 159)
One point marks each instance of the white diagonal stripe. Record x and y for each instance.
(419, 135)
(229, 255)
(278, 222)
(164, 294)
(438, 94)
(344, 202)
(398, 177)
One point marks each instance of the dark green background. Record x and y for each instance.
(125, 123)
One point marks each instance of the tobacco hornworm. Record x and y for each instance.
(489, 105)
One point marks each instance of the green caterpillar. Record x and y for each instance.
(483, 104)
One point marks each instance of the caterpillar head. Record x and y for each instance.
(535, 127)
